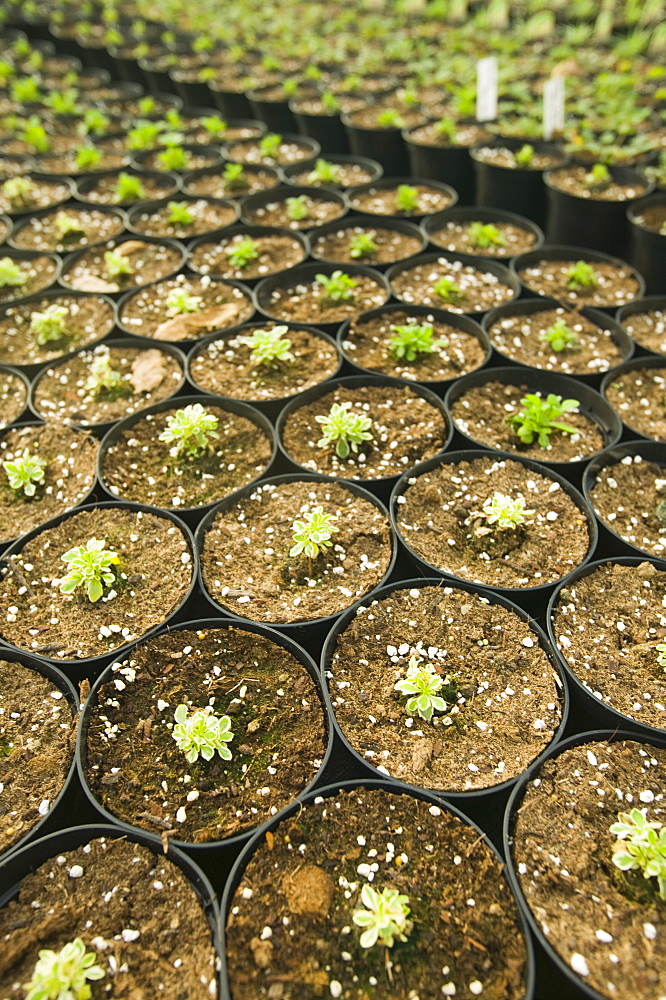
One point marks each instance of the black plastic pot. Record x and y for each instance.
(150, 207)
(215, 856)
(381, 487)
(452, 164)
(190, 515)
(560, 981)
(591, 222)
(573, 254)
(60, 807)
(483, 264)
(328, 791)
(304, 274)
(589, 708)
(371, 222)
(433, 224)
(611, 543)
(168, 183)
(25, 414)
(72, 259)
(532, 599)
(252, 206)
(310, 146)
(591, 404)
(484, 805)
(326, 129)
(89, 667)
(644, 305)
(276, 114)
(393, 182)
(386, 145)
(230, 103)
(648, 246)
(636, 364)
(456, 320)
(104, 209)
(23, 863)
(249, 168)
(509, 188)
(251, 232)
(290, 173)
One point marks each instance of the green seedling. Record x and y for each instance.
(413, 339)
(660, 511)
(407, 198)
(49, 325)
(87, 157)
(144, 136)
(179, 214)
(174, 158)
(483, 236)
(598, 178)
(94, 122)
(174, 121)
(24, 90)
(90, 568)
(384, 917)
(67, 226)
(445, 130)
(63, 102)
(324, 173)
(297, 208)
(235, 177)
(19, 191)
(641, 847)
(338, 287)
(313, 533)
(524, 157)
(179, 302)
(64, 974)
(103, 380)
(11, 275)
(581, 275)
(561, 337)
(362, 245)
(214, 125)
(330, 103)
(192, 431)
(201, 734)
(448, 291)
(505, 512)
(243, 253)
(269, 145)
(36, 136)
(540, 417)
(423, 683)
(661, 654)
(343, 429)
(117, 265)
(147, 105)
(129, 188)
(390, 118)
(269, 347)
(25, 473)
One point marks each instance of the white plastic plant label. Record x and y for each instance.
(486, 89)
(553, 106)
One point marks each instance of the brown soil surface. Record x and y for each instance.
(148, 375)
(482, 413)
(653, 218)
(626, 496)
(39, 273)
(13, 398)
(45, 194)
(260, 580)
(69, 475)
(214, 186)
(153, 576)
(305, 884)
(367, 118)
(307, 302)
(480, 289)
(195, 159)
(148, 262)
(65, 165)
(366, 340)
(440, 518)
(639, 396)
(601, 921)
(572, 181)
(406, 429)
(206, 216)
(150, 934)
(250, 152)
(225, 366)
(221, 306)
(89, 318)
(519, 337)
(392, 245)
(277, 720)
(42, 233)
(382, 201)
(503, 702)
(275, 253)
(614, 286)
(138, 466)
(608, 625)
(466, 135)
(501, 156)
(455, 236)
(276, 213)
(349, 175)
(37, 735)
(648, 329)
(103, 191)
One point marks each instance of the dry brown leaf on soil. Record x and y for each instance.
(148, 371)
(130, 246)
(188, 325)
(91, 283)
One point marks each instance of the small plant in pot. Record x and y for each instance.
(24, 272)
(120, 265)
(321, 294)
(248, 253)
(52, 325)
(637, 391)
(452, 282)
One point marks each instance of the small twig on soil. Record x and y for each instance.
(472, 846)
(388, 965)
(157, 820)
(20, 579)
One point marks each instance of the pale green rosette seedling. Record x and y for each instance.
(561, 337)
(407, 198)
(243, 253)
(179, 214)
(448, 291)
(343, 429)
(485, 236)
(25, 473)
(269, 347)
(581, 275)
(201, 733)
(103, 379)
(117, 265)
(505, 512)
(64, 974)
(297, 208)
(313, 533)
(384, 917)
(179, 302)
(661, 654)
(422, 682)
(192, 429)
(540, 417)
(524, 156)
(325, 172)
(50, 324)
(89, 567)
(413, 339)
(129, 188)
(19, 191)
(641, 847)
(269, 146)
(87, 157)
(362, 245)
(338, 287)
(235, 177)
(67, 226)
(11, 275)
